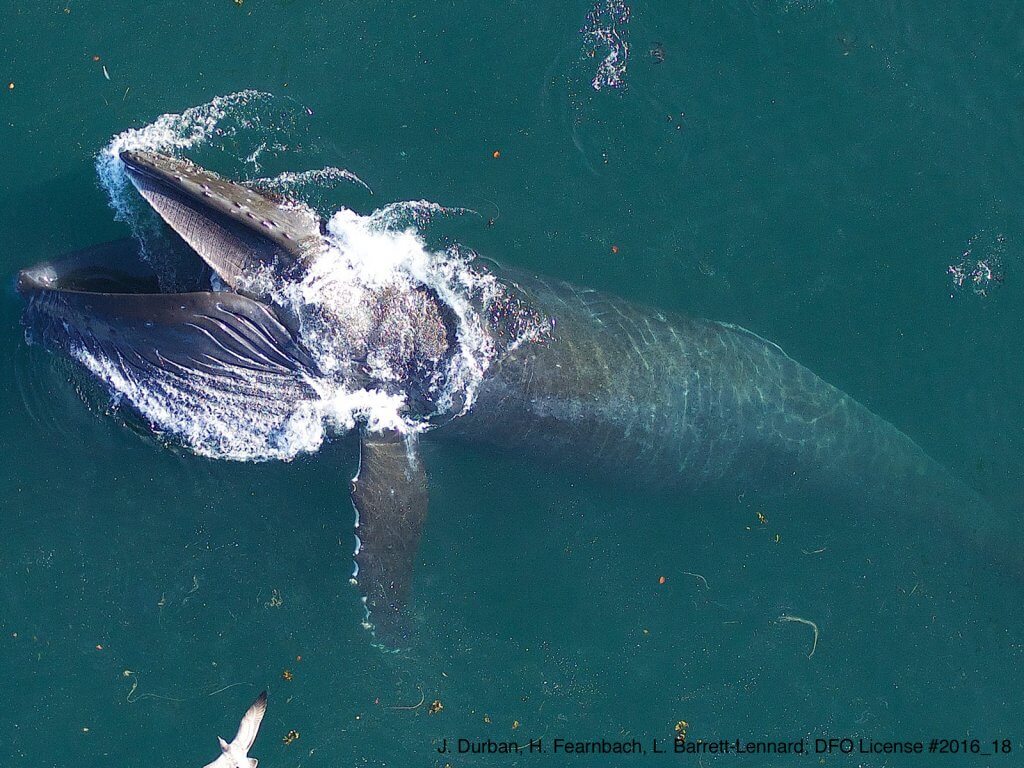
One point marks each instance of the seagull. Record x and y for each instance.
(236, 754)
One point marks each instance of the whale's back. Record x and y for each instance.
(681, 401)
(622, 390)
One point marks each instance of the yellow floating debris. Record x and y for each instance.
(681, 727)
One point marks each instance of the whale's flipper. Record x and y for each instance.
(245, 237)
(389, 494)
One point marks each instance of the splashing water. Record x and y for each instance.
(980, 268)
(170, 133)
(606, 29)
(363, 258)
(310, 185)
(366, 257)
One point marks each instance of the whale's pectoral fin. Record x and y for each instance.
(389, 494)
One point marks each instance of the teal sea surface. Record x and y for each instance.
(842, 178)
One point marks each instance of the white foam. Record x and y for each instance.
(450, 275)
(296, 182)
(377, 410)
(169, 133)
(364, 257)
(210, 422)
(607, 28)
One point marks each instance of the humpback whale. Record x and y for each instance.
(539, 366)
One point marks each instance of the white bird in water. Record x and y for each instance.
(236, 754)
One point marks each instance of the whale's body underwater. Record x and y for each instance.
(574, 375)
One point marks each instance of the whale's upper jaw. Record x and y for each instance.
(242, 234)
(292, 229)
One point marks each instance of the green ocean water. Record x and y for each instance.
(809, 170)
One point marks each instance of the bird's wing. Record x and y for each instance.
(223, 761)
(250, 724)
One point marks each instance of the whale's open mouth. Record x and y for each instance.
(111, 268)
(290, 328)
(223, 371)
(297, 324)
(105, 299)
(281, 330)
